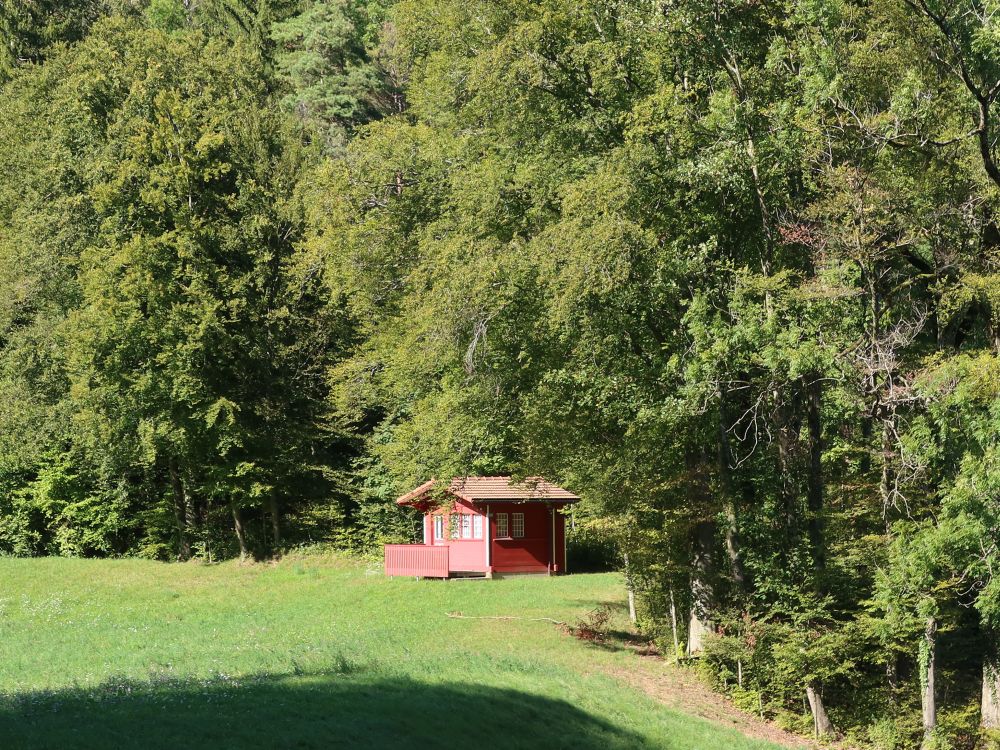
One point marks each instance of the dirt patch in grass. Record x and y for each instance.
(681, 689)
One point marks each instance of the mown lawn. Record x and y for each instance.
(315, 652)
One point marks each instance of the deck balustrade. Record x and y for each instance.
(420, 560)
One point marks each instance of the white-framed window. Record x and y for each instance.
(502, 531)
(453, 526)
(477, 527)
(518, 524)
(438, 527)
(466, 526)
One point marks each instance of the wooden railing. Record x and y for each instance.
(416, 560)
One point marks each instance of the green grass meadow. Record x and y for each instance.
(315, 652)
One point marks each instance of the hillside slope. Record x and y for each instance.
(317, 653)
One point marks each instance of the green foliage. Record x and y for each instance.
(728, 270)
(334, 85)
(28, 28)
(697, 263)
(189, 355)
(168, 15)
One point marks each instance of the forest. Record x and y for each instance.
(728, 269)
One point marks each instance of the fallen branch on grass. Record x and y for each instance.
(460, 616)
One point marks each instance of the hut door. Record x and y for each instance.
(438, 529)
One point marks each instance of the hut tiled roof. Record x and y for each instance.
(476, 489)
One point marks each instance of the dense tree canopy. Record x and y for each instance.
(727, 269)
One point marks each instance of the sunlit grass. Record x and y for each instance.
(314, 652)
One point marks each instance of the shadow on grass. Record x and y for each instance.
(350, 708)
(622, 640)
(612, 604)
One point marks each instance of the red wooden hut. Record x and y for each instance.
(482, 526)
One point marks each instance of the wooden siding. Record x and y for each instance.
(542, 549)
(527, 554)
(467, 555)
(420, 560)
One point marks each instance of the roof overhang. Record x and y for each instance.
(490, 490)
(418, 497)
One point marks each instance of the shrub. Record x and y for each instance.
(594, 625)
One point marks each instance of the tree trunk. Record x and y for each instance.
(928, 654)
(631, 591)
(180, 511)
(203, 523)
(822, 726)
(786, 419)
(729, 492)
(241, 536)
(990, 717)
(702, 594)
(275, 524)
(814, 490)
(673, 625)
(698, 628)
(191, 516)
(865, 465)
(892, 677)
(887, 485)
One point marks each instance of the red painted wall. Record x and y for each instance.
(533, 552)
(466, 555)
